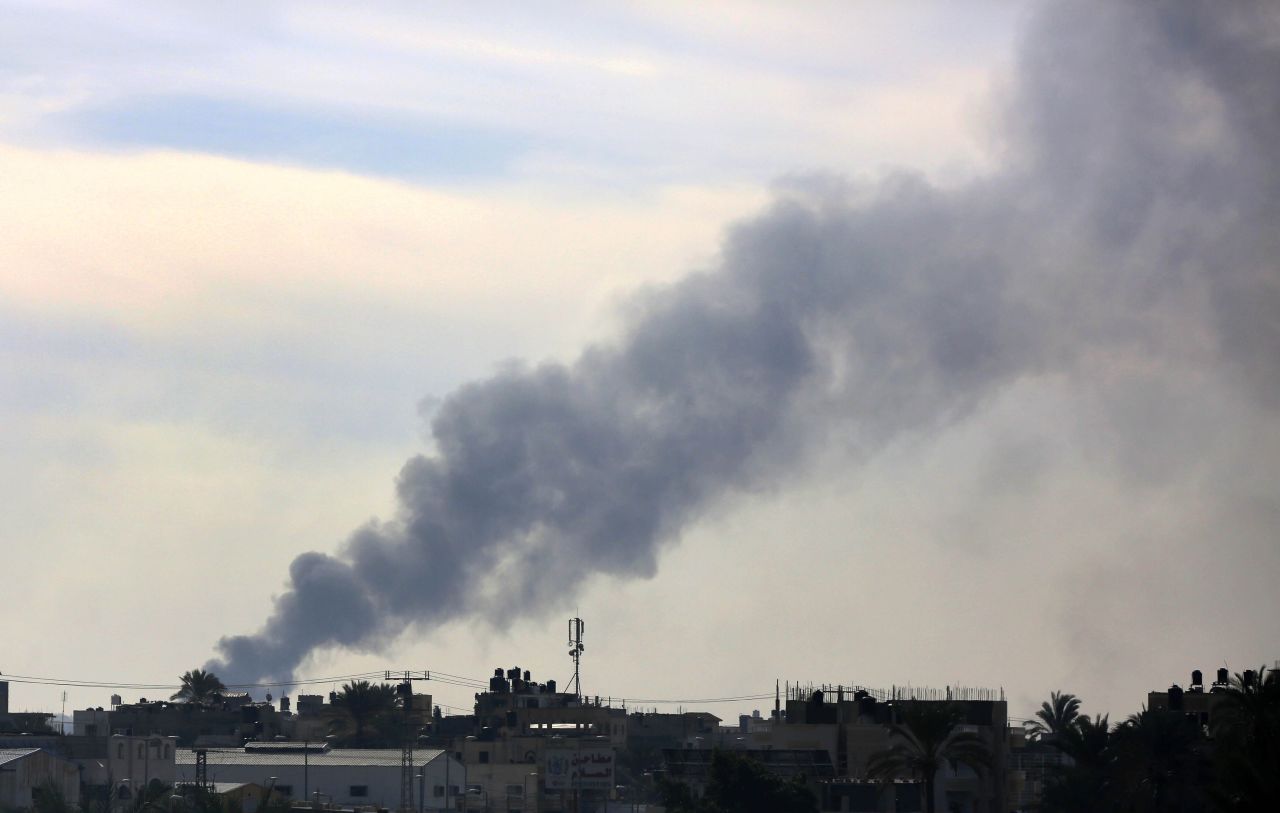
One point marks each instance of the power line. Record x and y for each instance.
(445, 678)
(106, 684)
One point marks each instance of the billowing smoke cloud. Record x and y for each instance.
(1136, 219)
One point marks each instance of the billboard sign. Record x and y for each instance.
(579, 769)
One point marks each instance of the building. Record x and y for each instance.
(848, 726)
(228, 723)
(139, 762)
(535, 748)
(351, 777)
(1194, 700)
(26, 773)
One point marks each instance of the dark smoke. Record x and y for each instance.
(1136, 219)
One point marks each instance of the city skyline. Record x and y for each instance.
(905, 345)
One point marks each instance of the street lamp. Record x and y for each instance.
(421, 792)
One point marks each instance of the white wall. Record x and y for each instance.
(142, 760)
(22, 776)
(333, 782)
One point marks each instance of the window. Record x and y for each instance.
(283, 790)
(120, 751)
(484, 757)
(437, 791)
(515, 790)
(358, 791)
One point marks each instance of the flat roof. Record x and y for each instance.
(389, 757)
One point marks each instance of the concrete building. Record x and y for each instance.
(25, 773)
(536, 748)
(852, 724)
(228, 723)
(656, 731)
(1194, 700)
(91, 722)
(134, 763)
(355, 777)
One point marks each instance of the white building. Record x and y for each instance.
(27, 772)
(343, 776)
(135, 763)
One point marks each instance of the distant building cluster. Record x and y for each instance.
(526, 747)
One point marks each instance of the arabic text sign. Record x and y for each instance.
(585, 769)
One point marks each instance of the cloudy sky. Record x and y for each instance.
(834, 342)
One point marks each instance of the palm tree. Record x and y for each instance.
(200, 688)
(1056, 715)
(1246, 742)
(1086, 741)
(926, 738)
(1082, 785)
(363, 701)
(1159, 761)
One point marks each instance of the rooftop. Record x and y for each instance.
(8, 755)
(374, 757)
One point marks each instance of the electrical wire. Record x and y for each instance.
(445, 678)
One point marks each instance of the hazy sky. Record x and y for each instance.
(836, 342)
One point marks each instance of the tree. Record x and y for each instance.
(1246, 742)
(1087, 741)
(739, 784)
(1159, 761)
(925, 738)
(1084, 784)
(1056, 715)
(200, 688)
(365, 701)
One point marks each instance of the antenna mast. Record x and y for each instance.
(575, 651)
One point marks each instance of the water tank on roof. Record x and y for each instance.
(551, 686)
(1224, 677)
(1197, 678)
(1175, 698)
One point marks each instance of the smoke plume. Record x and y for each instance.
(1134, 222)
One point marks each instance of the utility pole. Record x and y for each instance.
(406, 750)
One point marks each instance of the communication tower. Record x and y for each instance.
(575, 651)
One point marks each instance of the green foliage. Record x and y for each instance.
(370, 706)
(1246, 734)
(1056, 716)
(1157, 760)
(925, 738)
(48, 798)
(200, 687)
(737, 784)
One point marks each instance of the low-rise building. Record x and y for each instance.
(341, 776)
(26, 773)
